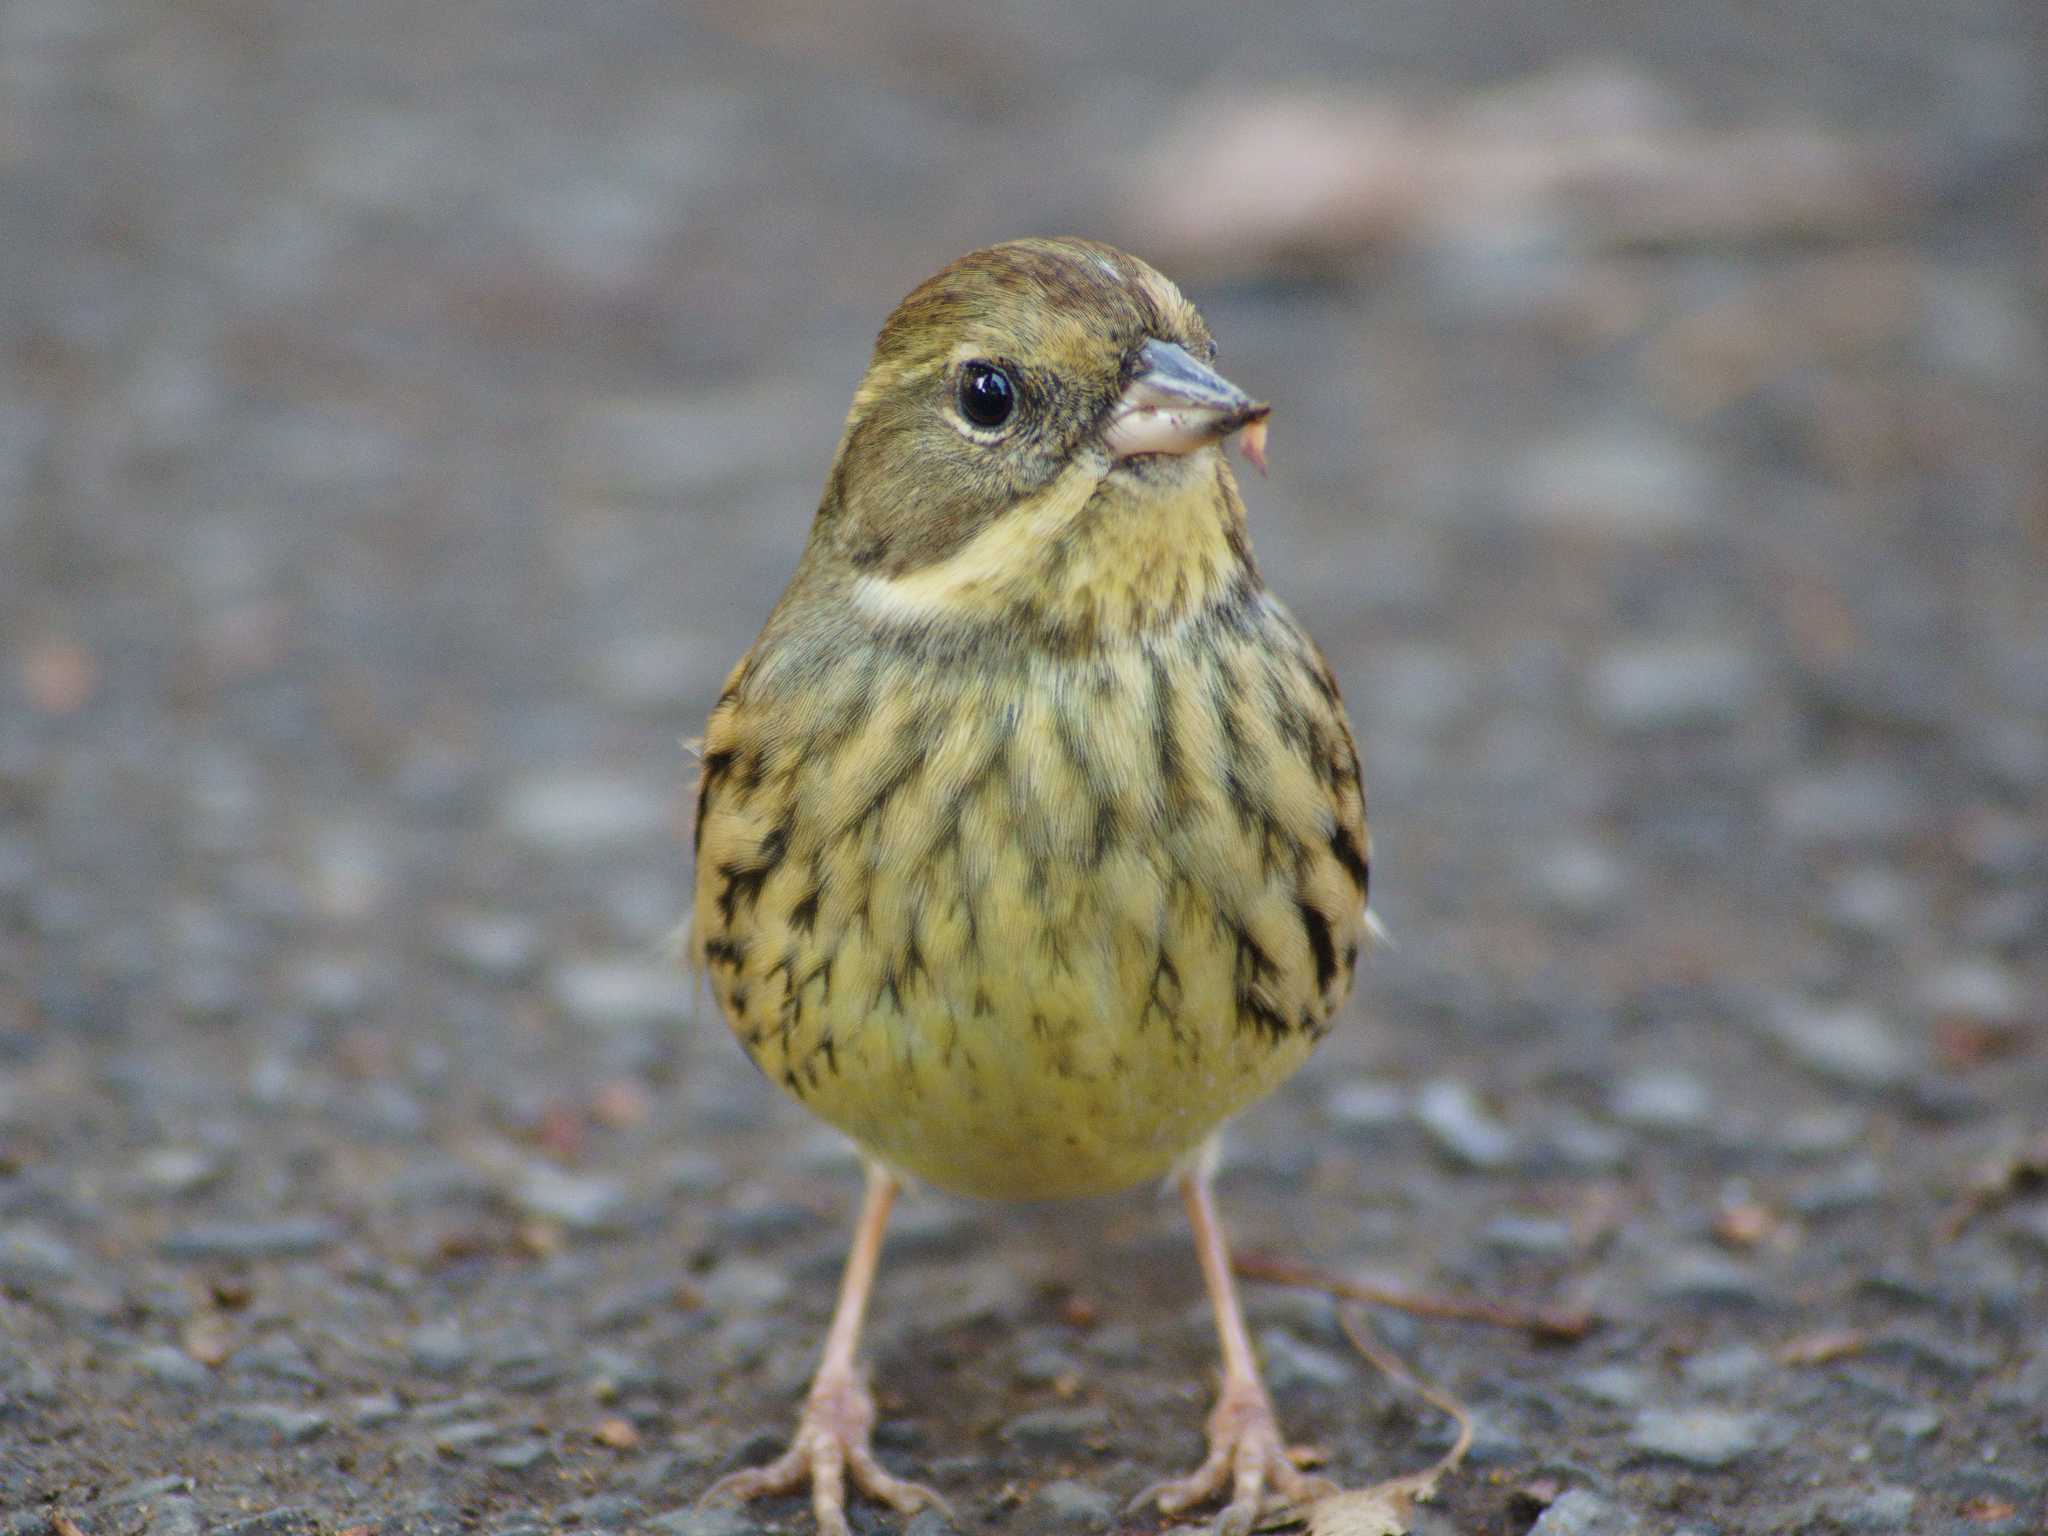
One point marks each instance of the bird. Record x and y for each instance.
(1030, 838)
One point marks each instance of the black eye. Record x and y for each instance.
(986, 394)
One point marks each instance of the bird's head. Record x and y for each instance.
(1038, 435)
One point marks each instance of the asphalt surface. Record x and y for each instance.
(406, 416)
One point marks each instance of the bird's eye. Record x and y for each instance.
(987, 396)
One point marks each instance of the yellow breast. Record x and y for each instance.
(1025, 924)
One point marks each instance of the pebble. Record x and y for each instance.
(1852, 1187)
(621, 995)
(1619, 479)
(580, 1202)
(268, 1424)
(279, 1355)
(1860, 805)
(1452, 1116)
(1875, 902)
(493, 946)
(710, 1520)
(288, 1238)
(374, 1411)
(1662, 1099)
(1910, 1424)
(1724, 1369)
(1672, 685)
(172, 1367)
(1979, 992)
(1581, 1512)
(1888, 1507)
(1578, 879)
(439, 1349)
(1850, 1045)
(1706, 1438)
(1366, 1105)
(521, 1455)
(585, 812)
(1533, 1236)
(275, 1522)
(1612, 1386)
(1292, 1363)
(1706, 1277)
(179, 1170)
(1076, 1506)
(32, 1255)
(1066, 1430)
(176, 1516)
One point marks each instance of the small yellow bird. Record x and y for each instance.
(1030, 838)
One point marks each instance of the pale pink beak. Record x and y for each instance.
(1174, 403)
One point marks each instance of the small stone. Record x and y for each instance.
(275, 1522)
(1533, 1236)
(709, 1520)
(1874, 1510)
(1612, 479)
(1977, 992)
(174, 1516)
(520, 1455)
(1583, 1145)
(1910, 1424)
(1704, 1276)
(744, 1285)
(580, 1202)
(1366, 1104)
(1662, 1099)
(280, 1355)
(620, 995)
(1057, 1429)
(1291, 1363)
(1581, 1512)
(439, 1349)
(1816, 1133)
(1874, 902)
(463, 1435)
(171, 1367)
(1851, 1046)
(375, 1411)
(32, 1255)
(929, 1522)
(178, 1170)
(1453, 1117)
(1722, 1370)
(284, 1239)
(1076, 1505)
(1672, 685)
(1706, 1438)
(1858, 1184)
(585, 812)
(268, 1424)
(494, 946)
(1859, 805)
(1613, 1386)
(1578, 879)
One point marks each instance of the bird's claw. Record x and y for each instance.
(831, 1443)
(1248, 1457)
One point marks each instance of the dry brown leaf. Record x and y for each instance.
(64, 1525)
(617, 1433)
(1379, 1511)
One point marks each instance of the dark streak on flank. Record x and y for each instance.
(1345, 847)
(1172, 772)
(1320, 944)
(743, 882)
(716, 765)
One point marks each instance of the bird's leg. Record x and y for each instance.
(838, 1415)
(1246, 1454)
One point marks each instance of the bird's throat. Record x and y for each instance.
(1093, 560)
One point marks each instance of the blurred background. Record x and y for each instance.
(407, 415)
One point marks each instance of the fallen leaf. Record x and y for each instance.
(1361, 1512)
(1985, 1508)
(64, 1525)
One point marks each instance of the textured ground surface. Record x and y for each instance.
(407, 413)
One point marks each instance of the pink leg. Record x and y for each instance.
(1246, 1454)
(838, 1416)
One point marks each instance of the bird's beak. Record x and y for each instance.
(1174, 403)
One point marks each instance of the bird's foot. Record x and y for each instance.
(831, 1442)
(1246, 1456)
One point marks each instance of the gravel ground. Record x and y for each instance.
(406, 415)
